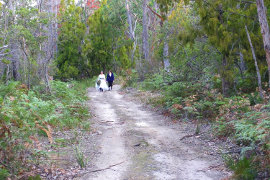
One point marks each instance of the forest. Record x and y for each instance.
(209, 61)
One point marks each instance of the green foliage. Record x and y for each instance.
(3, 173)
(230, 110)
(255, 98)
(26, 31)
(130, 78)
(9, 89)
(26, 113)
(254, 129)
(81, 160)
(223, 22)
(37, 177)
(154, 82)
(106, 46)
(72, 31)
(244, 169)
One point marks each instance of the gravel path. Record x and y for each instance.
(135, 143)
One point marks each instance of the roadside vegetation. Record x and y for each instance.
(28, 115)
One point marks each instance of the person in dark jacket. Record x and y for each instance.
(110, 79)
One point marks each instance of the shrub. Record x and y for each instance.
(3, 173)
(154, 82)
(230, 110)
(80, 158)
(244, 169)
(131, 78)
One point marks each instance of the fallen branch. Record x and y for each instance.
(214, 166)
(109, 167)
(192, 158)
(232, 152)
(210, 168)
(4, 54)
(155, 13)
(188, 136)
(27, 174)
(3, 47)
(106, 121)
(56, 160)
(48, 132)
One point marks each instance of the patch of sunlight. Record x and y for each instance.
(142, 124)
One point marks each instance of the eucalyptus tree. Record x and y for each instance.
(262, 15)
(145, 35)
(28, 36)
(132, 26)
(223, 22)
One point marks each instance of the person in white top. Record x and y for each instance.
(101, 84)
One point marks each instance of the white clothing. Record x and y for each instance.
(103, 83)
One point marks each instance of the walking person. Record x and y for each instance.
(110, 79)
(101, 84)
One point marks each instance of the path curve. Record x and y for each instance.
(137, 144)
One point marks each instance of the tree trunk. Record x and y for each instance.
(166, 55)
(50, 48)
(261, 10)
(7, 74)
(129, 20)
(134, 50)
(47, 81)
(225, 81)
(131, 31)
(15, 70)
(145, 32)
(28, 73)
(256, 64)
(242, 62)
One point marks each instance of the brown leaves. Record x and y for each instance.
(4, 129)
(11, 98)
(178, 106)
(47, 131)
(258, 107)
(36, 141)
(23, 86)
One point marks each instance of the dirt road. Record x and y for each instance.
(137, 144)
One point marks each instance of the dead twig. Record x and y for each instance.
(56, 160)
(211, 168)
(187, 136)
(27, 174)
(192, 158)
(109, 167)
(106, 121)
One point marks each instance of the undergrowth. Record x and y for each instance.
(26, 114)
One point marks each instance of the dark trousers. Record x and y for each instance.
(110, 84)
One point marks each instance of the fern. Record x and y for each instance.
(26, 113)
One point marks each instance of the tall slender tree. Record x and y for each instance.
(145, 35)
(261, 9)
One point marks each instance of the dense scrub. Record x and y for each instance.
(26, 115)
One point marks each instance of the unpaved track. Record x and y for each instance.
(137, 144)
